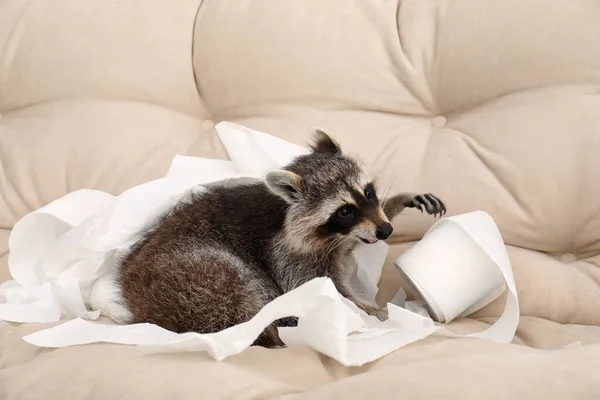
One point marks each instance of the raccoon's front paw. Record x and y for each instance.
(429, 203)
(379, 313)
(382, 314)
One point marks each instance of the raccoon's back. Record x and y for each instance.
(246, 213)
(242, 217)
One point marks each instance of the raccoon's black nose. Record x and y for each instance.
(384, 231)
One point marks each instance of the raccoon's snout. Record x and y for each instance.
(384, 231)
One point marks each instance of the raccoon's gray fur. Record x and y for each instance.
(217, 258)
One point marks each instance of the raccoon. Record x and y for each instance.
(217, 258)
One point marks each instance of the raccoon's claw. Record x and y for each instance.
(382, 314)
(429, 203)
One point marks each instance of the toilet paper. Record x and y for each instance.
(456, 282)
(62, 254)
(460, 266)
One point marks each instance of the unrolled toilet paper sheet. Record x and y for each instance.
(60, 252)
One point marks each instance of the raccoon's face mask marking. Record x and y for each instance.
(361, 218)
(329, 196)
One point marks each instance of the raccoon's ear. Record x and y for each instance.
(285, 184)
(323, 143)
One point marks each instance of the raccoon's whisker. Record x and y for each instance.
(330, 247)
(390, 182)
(388, 186)
(335, 243)
(339, 243)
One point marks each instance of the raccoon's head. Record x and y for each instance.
(330, 197)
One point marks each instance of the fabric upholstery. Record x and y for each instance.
(491, 105)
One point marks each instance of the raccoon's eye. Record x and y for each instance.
(345, 212)
(370, 192)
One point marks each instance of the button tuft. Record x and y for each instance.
(208, 124)
(568, 258)
(439, 122)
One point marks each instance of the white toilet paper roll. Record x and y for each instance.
(450, 271)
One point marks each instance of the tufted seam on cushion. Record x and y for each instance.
(132, 100)
(425, 94)
(106, 99)
(457, 111)
(205, 106)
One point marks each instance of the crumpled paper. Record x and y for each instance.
(60, 253)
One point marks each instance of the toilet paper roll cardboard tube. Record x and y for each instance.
(418, 293)
(450, 272)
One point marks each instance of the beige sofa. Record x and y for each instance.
(491, 105)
